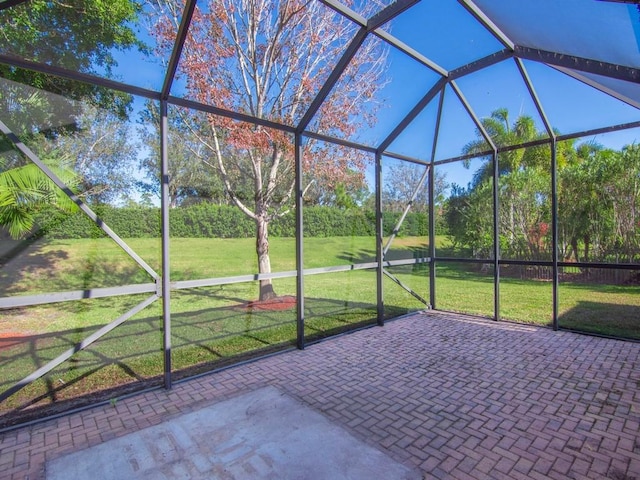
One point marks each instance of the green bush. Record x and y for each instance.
(207, 220)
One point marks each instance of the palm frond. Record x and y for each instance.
(25, 189)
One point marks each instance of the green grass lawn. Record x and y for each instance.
(212, 326)
(612, 310)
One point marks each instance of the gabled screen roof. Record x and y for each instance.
(593, 29)
(595, 44)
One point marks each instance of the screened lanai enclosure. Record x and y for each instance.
(185, 185)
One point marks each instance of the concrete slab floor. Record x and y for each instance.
(263, 434)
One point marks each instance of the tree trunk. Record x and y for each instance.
(264, 263)
(574, 247)
(587, 243)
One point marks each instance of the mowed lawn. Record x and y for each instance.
(216, 325)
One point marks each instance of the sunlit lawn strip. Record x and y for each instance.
(213, 326)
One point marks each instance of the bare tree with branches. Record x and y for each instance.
(269, 59)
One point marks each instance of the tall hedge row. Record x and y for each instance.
(223, 221)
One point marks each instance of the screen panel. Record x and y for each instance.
(339, 301)
(600, 301)
(465, 288)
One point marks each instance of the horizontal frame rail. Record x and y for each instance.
(139, 288)
(57, 297)
(136, 289)
(543, 263)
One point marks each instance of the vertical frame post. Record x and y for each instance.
(554, 188)
(554, 228)
(172, 67)
(432, 209)
(164, 208)
(432, 239)
(496, 203)
(496, 238)
(299, 244)
(379, 236)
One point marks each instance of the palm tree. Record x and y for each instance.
(503, 134)
(514, 167)
(25, 190)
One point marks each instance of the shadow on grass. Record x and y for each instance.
(130, 357)
(480, 272)
(25, 260)
(30, 266)
(369, 255)
(365, 255)
(608, 319)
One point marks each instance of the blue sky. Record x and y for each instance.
(446, 33)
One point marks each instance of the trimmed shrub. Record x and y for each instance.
(207, 220)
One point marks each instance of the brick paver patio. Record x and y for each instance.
(458, 397)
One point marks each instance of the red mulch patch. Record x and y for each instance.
(279, 303)
(9, 339)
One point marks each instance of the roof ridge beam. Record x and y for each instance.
(598, 67)
(598, 86)
(415, 111)
(355, 17)
(406, 49)
(388, 13)
(479, 15)
(345, 11)
(384, 35)
(333, 78)
(487, 61)
(178, 46)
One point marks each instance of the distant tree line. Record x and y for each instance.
(598, 199)
(207, 220)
